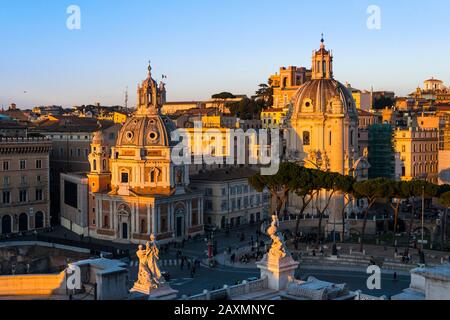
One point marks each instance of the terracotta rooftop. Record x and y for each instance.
(72, 124)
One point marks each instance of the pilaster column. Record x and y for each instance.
(201, 212)
(98, 220)
(190, 213)
(172, 217)
(137, 222)
(111, 220)
(148, 219)
(133, 220)
(154, 214)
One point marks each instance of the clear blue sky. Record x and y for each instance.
(205, 47)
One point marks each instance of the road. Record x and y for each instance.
(214, 278)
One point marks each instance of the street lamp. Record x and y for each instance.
(423, 215)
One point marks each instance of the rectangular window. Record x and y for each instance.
(224, 206)
(38, 164)
(39, 194)
(5, 165)
(124, 177)
(6, 197)
(23, 164)
(306, 138)
(208, 205)
(23, 196)
(6, 181)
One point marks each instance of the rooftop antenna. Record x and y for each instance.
(126, 99)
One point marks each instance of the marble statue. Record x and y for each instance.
(277, 265)
(149, 274)
(278, 248)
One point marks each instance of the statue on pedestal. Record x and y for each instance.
(149, 274)
(277, 265)
(278, 249)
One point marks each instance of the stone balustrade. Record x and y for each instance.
(232, 291)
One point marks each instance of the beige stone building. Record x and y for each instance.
(273, 118)
(286, 83)
(418, 149)
(71, 138)
(365, 120)
(324, 130)
(324, 120)
(134, 188)
(363, 99)
(229, 199)
(24, 184)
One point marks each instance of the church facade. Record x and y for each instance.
(323, 128)
(134, 188)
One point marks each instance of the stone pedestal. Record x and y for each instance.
(163, 292)
(278, 271)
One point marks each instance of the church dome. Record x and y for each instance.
(321, 96)
(146, 130)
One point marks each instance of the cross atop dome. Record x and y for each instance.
(149, 68)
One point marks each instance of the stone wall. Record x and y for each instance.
(33, 285)
(36, 257)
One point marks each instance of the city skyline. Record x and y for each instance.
(45, 63)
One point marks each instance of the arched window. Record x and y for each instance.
(104, 164)
(329, 138)
(153, 176)
(94, 164)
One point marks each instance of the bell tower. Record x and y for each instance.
(100, 175)
(322, 63)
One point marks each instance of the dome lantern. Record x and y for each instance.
(322, 63)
